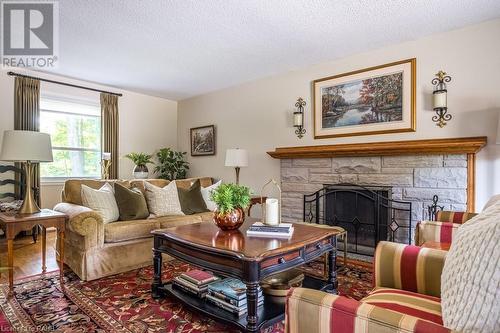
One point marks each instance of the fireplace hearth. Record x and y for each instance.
(368, 213)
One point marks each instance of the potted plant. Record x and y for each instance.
(140, 160)
(231, 200)
(171, 164)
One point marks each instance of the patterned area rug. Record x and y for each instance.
(123, 303)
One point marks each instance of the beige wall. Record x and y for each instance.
(146, 123)
(257, 115)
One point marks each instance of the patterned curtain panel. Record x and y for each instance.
(27, 118)
(109, 123)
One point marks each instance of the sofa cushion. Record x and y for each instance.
(175, 221)
(139, 183)
(206, 192)
(163, 201)
(418, 305)
(191, 199)
(131, 203)
(102, 201)
(128, 230)
(186, 183)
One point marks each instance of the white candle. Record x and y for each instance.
(106, 156)
(272, 211)
(297, 119)
(439, 100)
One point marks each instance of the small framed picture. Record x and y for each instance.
(203, 141)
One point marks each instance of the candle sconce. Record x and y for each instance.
(298, 118)
(439, 99)
(271, 209)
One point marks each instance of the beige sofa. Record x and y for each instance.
(93, 249)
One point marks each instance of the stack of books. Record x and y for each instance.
(195, 282)
(261, 229)
(230, 294)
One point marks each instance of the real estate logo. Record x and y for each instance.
(30, 34)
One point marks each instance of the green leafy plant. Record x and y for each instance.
(228, 197)
(171, 164)
(140, 159)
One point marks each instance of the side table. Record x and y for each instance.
(13, 223)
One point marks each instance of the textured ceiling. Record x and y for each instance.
(181, 48)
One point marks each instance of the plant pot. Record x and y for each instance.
(229, 221)
(140, 172)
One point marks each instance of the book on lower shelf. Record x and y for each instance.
(194, 282)
(261, 229)
(230, 294)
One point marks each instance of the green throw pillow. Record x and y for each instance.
(191, 199)
(131, 203)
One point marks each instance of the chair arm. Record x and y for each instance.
(314, 311)
(441, 232)
(84, 222)
(409, 267)
(454, 217)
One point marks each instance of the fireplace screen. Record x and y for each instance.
(367, 213)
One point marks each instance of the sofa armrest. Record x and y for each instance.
(84, 222)
(409, 267)
(314, 311)
(441, 232)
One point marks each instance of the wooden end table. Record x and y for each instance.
(13, 223)
(250, 259)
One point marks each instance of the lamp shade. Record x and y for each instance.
(236, 158)
(20, 146)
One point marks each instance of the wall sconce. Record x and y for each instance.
(439, 99)
(298, 118)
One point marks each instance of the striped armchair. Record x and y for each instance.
(406, 298)
(441, 230)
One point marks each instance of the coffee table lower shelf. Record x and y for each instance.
(271, 312)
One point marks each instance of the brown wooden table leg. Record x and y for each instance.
(61, 255)
(10, 256)
(44, 248)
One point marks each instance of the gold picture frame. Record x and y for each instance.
(343, 105)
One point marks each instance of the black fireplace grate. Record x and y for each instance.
(369, 214)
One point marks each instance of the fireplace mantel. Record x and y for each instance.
(469, 145)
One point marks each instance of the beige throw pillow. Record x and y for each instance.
(163, 201)
(205, 193)
(470, 282)
(102, 201)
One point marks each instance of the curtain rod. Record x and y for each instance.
(63, 83)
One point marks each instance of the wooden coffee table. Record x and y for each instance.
(249, 259)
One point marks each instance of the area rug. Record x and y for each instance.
(122, 303)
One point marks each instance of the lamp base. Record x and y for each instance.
(29, 205)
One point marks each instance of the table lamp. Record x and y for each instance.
(27, 147)
(236, 158)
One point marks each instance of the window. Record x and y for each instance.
(75, 129)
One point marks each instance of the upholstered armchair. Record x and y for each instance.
(406, 297)
(442, 229)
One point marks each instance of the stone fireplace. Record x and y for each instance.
(413, 171)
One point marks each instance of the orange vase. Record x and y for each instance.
(230, 221)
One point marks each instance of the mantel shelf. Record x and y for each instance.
(411, 147)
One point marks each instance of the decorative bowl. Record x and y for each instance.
(279, 284)
(229, 221)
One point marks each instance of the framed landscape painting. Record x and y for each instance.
(376, 100)
(203, 140)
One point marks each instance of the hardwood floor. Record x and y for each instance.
(28, 256)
